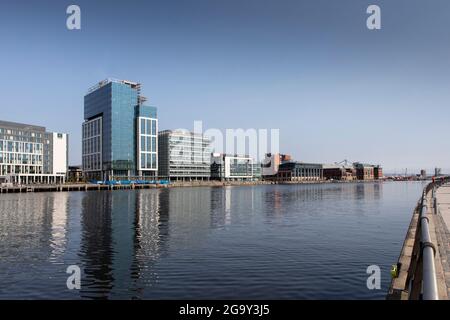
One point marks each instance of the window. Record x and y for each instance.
(142, 160)
(148, 161)
(153, 144)
(142, 143)
(154, 127)
(148, 128)
(142, 126)
(153, 161)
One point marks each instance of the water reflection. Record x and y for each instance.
(276, 241)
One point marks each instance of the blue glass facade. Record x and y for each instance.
(118, 104)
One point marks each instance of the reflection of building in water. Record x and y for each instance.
(229, 201)
(96, 249)
(189, 211)
(368, 191)
(34, 217)
(59, 224)
(150, 237)
(123, 233)
(280, 198)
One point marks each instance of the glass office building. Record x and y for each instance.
(184, 156)
(31, 155)
(232, 167)
(119, 133)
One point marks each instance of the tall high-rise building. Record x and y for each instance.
(30, 154)
(184, 155)
(120, 133)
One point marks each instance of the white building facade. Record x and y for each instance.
(232, 167)
(183, 155)
(31, 155)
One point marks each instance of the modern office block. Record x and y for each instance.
(231, 167)
(120, 138)
(183, 155)
(29, 154)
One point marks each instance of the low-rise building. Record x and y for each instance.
(364, 171)
(184, 156)
(378, 172)
(338, 172)
(275, 169)
(30, 154)
(75, 174)
(231, 167)
(271, 163)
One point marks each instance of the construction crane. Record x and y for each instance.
(345, 162)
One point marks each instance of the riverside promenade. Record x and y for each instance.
(423, 268)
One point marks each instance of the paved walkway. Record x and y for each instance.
(443, 203)
(443, 229)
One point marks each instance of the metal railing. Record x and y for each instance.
(427, 249)
(429, 282)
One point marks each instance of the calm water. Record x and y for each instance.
(274, 242)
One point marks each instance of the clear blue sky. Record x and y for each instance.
(310, 68)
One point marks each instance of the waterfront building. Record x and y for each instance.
(377, 172)
(282, 168)
(271, 163)
(120, 140)
(231, 167)
(257, 171)
(364, 171)
(299, 171)
(75, 174)
(184, 155)
(339, 172)
(29, 154)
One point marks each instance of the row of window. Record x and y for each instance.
(148, 143)
(17, 169)
(92, 128)
(307, 172)
(20, 133)
(148, 126)
(19, 158)
(92, 145)
(92, 162)
(23, 147)
(148, 160)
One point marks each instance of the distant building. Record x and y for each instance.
(75, 174)
(437, 172)
(120, 138)
(231, 167)
(257, 171)
(29, 154)
(271, 163)
(339, 172)
(364, 171)
(183, 156)
(276, 168)
(423, 174)
(377, 172)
